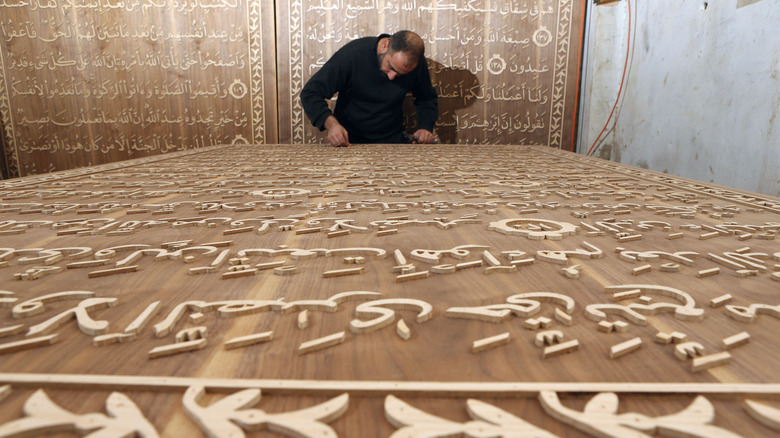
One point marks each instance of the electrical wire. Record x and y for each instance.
(579, 72)
(622, 79)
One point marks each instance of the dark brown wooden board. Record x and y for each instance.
(438, 198)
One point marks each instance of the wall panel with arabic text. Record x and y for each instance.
(85, 82)
(505, 71)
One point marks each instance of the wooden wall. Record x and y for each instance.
(85, 82)
(506, 71)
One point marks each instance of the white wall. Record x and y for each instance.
(701, 95)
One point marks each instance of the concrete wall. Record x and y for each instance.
(701, 95)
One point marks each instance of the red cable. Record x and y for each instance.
(579, 67)
(625, 67)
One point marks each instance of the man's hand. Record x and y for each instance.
(337, 135)
(424, 136)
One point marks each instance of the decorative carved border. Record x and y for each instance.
(380, 387)
(560, 73)
(11, 155)
(296, 70)
(256, 70)
(235, 413)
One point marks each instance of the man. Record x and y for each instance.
(371, 76)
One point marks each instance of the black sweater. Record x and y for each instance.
(369, 105)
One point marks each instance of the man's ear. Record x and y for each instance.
(384, 43)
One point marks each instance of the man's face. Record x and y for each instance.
(395, 64)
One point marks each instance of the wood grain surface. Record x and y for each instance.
(178, 322)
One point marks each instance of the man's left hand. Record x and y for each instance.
(424, 136)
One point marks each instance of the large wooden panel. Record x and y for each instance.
(90, 82)
(508, 285)
(506, 72)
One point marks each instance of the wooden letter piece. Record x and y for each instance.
(339, 233)
(641, 270)
(620, 326)
(490, 259)
(270, 265)
(303, 319)
(466, 265)
(26, 344)
(563, 317)
(140, 322)
(447, 268)
(572, 271)
(768, 416)
(721, 301)
(549, 337)
(624, 348)
(709, 361)
(113, 338)
(403, 330)
(106, 272)
(736, 340)
(245, 341)
(708, 272)
(322, 343)
(412, 276)
(237, 231)
(489, 343)
(670, 267)
(343, 272)
(562, 348)
(11, 330)
(286, 270)
(176, 348)
(688, 350)
(605, 326)
(242, 273)
(627, 295)
(531, 324)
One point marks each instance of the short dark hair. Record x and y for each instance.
(409, 43)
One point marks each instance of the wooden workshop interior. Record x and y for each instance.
(590, 248)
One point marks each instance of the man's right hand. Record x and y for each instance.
(337, 135)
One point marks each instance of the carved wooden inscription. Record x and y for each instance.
(91, 82)
(454, 289)
(505, 72)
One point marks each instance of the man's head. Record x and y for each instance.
(400, 54)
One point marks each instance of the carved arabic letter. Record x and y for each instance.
(44, 416)
(387, 316)
(490, 421)
(686, 312)
(766, 415)
(81, 313)
(227, 418)
(35, 306)
(329, 305)
(600, 418)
